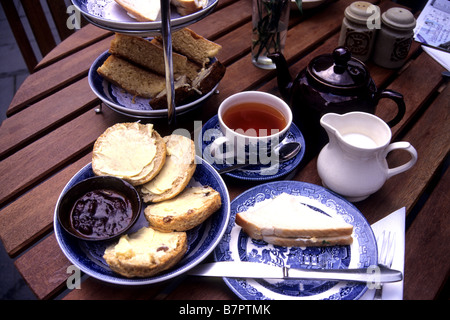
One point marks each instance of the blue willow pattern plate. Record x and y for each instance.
(88, 256)
(107, 14)
(237, 246)
(211, 131)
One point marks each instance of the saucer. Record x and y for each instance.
(259, 172)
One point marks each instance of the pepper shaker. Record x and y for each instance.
(395, 38)
(359, 27)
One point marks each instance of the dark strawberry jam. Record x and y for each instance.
(101, 213)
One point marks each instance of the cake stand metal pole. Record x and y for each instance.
(167, 44)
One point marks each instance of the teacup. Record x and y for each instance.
(252, 124)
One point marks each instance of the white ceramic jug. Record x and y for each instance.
(353, 163)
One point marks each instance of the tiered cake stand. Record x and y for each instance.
(107, 14)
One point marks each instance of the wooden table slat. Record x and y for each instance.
(55, 149)
(36, 218)
(44, 268)
(79, 40)
(56, 76)
(23, 128)
(427, 262)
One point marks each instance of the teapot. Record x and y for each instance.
(337, 83)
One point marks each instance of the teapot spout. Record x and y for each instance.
(284, 78)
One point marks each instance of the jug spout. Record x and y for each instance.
(329, 122)
(284, 78)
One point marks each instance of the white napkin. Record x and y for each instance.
(442, 57)
(394, 222)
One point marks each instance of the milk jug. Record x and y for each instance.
(353, 163)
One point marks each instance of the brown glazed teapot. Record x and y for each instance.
(335, 83)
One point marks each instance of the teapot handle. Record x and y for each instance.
(398, 99)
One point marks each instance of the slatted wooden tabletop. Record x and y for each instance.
(51, 127)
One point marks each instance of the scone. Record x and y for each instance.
(146, 252)
(184, 212)
(132, 151)
(176, 173)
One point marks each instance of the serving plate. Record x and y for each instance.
(88, 255)
(125, 103)
(237, 246)
(211, 131)
(107, 14)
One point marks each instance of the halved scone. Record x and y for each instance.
(176, 173)
(146, 252)
(184, 212)
(132, 151)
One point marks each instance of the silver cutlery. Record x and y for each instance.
(386, 250)
(239, 269)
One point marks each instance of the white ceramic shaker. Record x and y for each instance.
(359, 28)
(394, 38)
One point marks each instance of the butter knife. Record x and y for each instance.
(239, 269)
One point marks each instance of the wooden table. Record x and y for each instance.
(51, 127)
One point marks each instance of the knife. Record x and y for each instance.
(239, 269)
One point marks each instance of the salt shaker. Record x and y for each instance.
(359, 27)
(394, 38)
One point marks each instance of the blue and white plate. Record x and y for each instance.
(237, 246)
(107, 14)
(211, 131)
(126, 103)
(88, 256)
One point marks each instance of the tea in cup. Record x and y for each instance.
(252, 123)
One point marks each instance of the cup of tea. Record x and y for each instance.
(252, 124)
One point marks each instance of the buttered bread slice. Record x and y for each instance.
(176, 173)
(184, 212)
(185, 7)
(142, 10)
(284, 221)
(146, 252)
(132, 151)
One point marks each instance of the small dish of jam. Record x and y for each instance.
(99, 208)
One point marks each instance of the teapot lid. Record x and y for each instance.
(339, 70)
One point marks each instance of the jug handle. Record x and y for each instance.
(398, 99)
(402, 145)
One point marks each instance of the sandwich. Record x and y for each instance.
(150, 10)
(284, 221)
